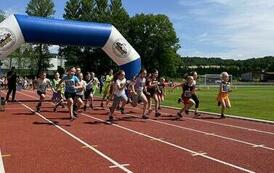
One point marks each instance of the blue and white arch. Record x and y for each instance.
(18, 29)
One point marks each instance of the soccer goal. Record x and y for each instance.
(211, 79)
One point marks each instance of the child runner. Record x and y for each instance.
(194, 95)
(80, 92)
(161, 94)
(188, 90)
(58, 96)
(153, 90)
(91, 86)
(119, 93)
(42, 84)
(138, 92)
(223, 96)
(71, 85)
(106, 86)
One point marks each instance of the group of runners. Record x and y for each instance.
(78, 91)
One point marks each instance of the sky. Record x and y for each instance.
(231, 29)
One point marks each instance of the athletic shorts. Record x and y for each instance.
(139, 97)
(40, 93)
(70, 95)
(87, 93)
(118, 99)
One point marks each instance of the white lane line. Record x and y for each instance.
(210, 134)
(222, 124)
(2, 170)
(199, 154)
(173, 145)
(81, 141)
(114, 166)
(198, 131)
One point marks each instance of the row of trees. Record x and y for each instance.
(234, 67)
(153, 36)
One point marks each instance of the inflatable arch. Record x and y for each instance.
(18, 29)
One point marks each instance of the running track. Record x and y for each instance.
(50, 142)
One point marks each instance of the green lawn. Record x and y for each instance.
(253, 102)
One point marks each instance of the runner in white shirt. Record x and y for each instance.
(119, 93)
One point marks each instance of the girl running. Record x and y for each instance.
(58, 96)
(42, 84)
(106, 86)
(80, 92)
(71, 85)
(188, 90)
(153, 90)
(119, 94)
(194, 95)
(91, 86)
(138, 92)
(223, 96)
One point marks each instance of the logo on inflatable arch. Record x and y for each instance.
(121, 48)
(7, 39)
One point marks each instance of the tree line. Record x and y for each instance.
(153, 36)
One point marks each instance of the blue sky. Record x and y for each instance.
(236, 29)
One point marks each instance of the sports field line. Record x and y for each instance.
(2, 170)
(206, 133)
(123, 168)
(202, 132)
(173, 145)
(222, 124)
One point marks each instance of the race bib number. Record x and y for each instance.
(187, 94)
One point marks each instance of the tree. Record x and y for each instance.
(2, 15)
(155, 39)
(119, 17)
(72, 10)
(43, 8)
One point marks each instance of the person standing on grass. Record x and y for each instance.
(223, 96)
(119, 94)
(42, 84)
(11, 78)
(71, 86)
(194, 95)
(106, 86)
(188, 90)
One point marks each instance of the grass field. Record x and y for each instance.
(253, 102)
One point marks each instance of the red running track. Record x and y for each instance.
(30, 143)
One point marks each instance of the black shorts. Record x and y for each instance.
(80, 96)
(70, 95)
(87, 93)
(40, 93)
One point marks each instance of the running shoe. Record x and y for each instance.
(157, 114)
(179, 114)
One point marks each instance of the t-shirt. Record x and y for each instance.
(140, 84)
(70, 82)
(225, 86)
(119, 82)
(187, 90)
(92, 84)
(81, 92)
(42, 84)
(61, 88)
(11, 76)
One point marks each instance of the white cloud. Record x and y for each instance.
(244, 28)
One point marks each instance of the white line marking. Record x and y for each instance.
(256, 146)
(2, 170)
(198, 131)
(174, 145)
(231, 116)
(158, 138)
(198, 154)
(221, 124)
(114, 166)
(81, 141)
